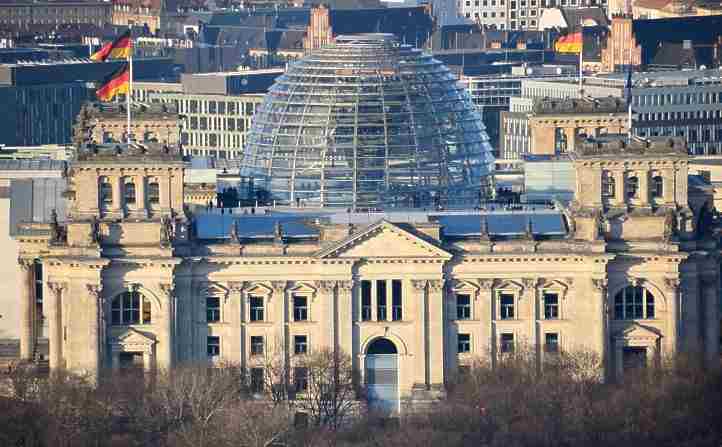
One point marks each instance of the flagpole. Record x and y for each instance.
(581, 58)
(629, 97)
(130, 81)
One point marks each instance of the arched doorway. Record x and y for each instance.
(382, 376)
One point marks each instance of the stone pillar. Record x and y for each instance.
(140, 200)
(117, 191)
(710, 291)
(483, 312)
(601, 323)
(345, 313)
(421, 363)
(529, 304)
(673, 335)
(643, 189)
(55, 335)
(234, 316)
(328, 297)
(94, 298)
(619, 187)
(164, 349)
(436, 333)
(27, 341)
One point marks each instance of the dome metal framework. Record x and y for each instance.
(368, 123)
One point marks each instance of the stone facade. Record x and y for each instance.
(634, 275)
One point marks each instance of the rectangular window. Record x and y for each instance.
(300, 308)
(213, 309)
(300, 344)
(366, 300)
(463, 307)
(397, 297)
(257, 380)
(381, 300)
(213, 346)
(507, 343)
(153, 193)
(463, 343)
(551, 306)
(506, 302)
(551, 342)
(256, 308)
(300, 379)
(256, 345)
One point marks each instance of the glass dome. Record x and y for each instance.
(368, 123)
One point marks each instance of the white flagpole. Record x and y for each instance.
(629, 97)
(130, 81)
(581, 59)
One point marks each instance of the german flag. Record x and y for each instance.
(116, 82)
(120, 48)
(570, 43)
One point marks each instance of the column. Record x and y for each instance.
(115, 186)
(436, 332)
(27, 342)
(643, 192)
(344, 290)
(619, 178)
(673, 335)
(234, 316)
(140, 199)
(281, 319)
(710, 290)
(530, 296)
(483, 312)
(327, 300)
(55, 336)
(164, 349)
(94, 297)
(601, 310)
(421, 363)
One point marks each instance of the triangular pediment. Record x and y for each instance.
(384, 240)
(132, 337)
(638, 331)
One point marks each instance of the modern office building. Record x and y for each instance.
(519, 14)
(684, 103)
(369, 122)
(24, 15)
(215, 108)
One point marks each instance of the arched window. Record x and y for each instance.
(153, 192)
(657, 186)
(608, 184)
(129, 192)
(105, 192)
(632, 187)
(130, 308)
(632, 303)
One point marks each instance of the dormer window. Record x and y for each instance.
(657, 186)
(632, 187)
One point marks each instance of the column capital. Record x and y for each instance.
(25, 264)
(530, 284)
(236, 286)
(279, 286)
(345, 286)
(166, 289)
(57, 287)
(672, 283)
(486, 284)
(436, 285)
(419, 284)
(600, 284)
(94, 290)
(326, 286)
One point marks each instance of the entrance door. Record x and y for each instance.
(382, 377)
(634, 358)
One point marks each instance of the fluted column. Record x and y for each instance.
(345, 316)
(483, 312)
(530, 298)
(328, 297)
(279, 314)
(27, 341)
(673, 314)
(436, 332)
(234, 317)
(117, 191)
(94, 297)
(55, 336)
(421, 362)
(165, 347)
(710, 290)
(140, 201)
(602, 322)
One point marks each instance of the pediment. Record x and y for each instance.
(133, 337)
(639, 332)
(384, 240)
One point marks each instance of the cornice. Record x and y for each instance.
(536, 258)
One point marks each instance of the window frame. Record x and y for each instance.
(217, 311)
(559, 295)
(620, 309)
(467, 307)
(558, 343)
(502, 343)
(217, 346)
(253, 352)
(145, 307)
(467, 347)
(304, 343)
(253, 317)
(300, 313)
(502, 314)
